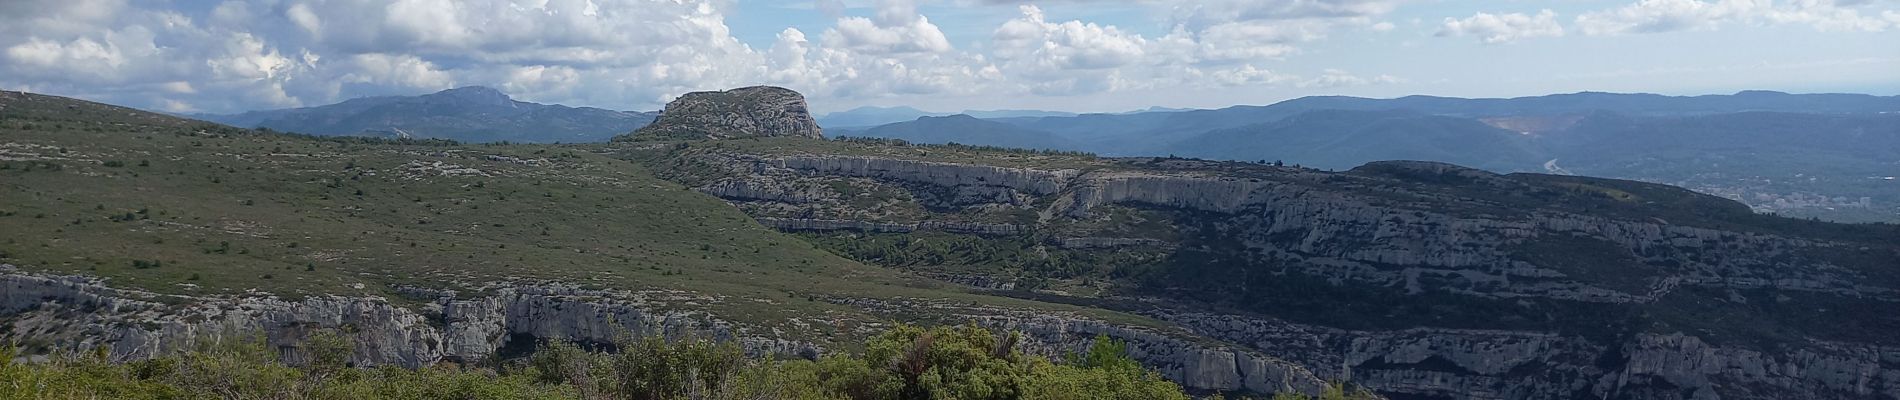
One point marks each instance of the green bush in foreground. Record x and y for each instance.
(967, 363)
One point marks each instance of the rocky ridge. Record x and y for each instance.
(1415, 227)
(79, 313)
(744, 112)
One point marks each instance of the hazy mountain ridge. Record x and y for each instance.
(471, 114)
(963, 128)
(869, 116)
(1800, 154)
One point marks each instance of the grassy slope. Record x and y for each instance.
(227, 211)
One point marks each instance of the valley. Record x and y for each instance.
(144, 234)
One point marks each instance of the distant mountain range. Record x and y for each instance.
(470, 114)
(873, 116)
(965, 129)
(1822, 155)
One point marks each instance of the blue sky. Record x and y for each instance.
(1071, 55)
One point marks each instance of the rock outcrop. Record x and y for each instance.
(80, 314)
(744, 112)
(1497, 364)
(1407, 232)
(793, 224)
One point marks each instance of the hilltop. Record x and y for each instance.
(757, 111)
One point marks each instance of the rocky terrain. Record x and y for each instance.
(1415, 279)
(744, 112)
(1491, 286)
(82, 313)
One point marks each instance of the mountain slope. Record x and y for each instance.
(1162, 128)
(1337, 139)
(965, 129)
(138, 239)
(469, 114)
(1807, 155)
(872, 116)
(865, 117)
(1416, 279)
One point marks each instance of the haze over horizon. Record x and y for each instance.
(1077, 56)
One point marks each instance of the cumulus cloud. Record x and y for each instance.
(1503, 28)
(1652, 16)
(1336, 78)
(897, 28)
(1065, 45)
(630, 54)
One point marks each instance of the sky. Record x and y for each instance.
(938, 55)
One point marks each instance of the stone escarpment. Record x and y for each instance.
(793, 224)
(744, 112)
(1032, 181)
(80, 314)
(1331, 233)
(1501, 364)
(1424, 231)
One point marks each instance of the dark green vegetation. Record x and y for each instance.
(185, 207)
(903, 363)
(1244, 262)
(1288, 267)
(469, 114)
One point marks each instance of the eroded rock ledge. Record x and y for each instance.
(80, 313)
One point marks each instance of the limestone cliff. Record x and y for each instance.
(1494, 286)
(744, 112)
(78, 313)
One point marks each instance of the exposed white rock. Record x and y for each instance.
(469, 329)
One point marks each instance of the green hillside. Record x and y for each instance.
(186, 207)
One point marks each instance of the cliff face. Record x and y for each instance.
(1498, 364)
(1497, 287)
(80, 314)
(77, 313)
(744, 112)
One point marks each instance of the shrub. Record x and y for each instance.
(962, 362)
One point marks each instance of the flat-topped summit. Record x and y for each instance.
(744, 112)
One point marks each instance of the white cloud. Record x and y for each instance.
(1647, 16)
(1652, 16)
(897, 28)
(399, 70)
(1257, 41)
(301, 15)
(1336, 78)
(1200, 14)
(1066, 45)
(1248, 75)
(1504, 28)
